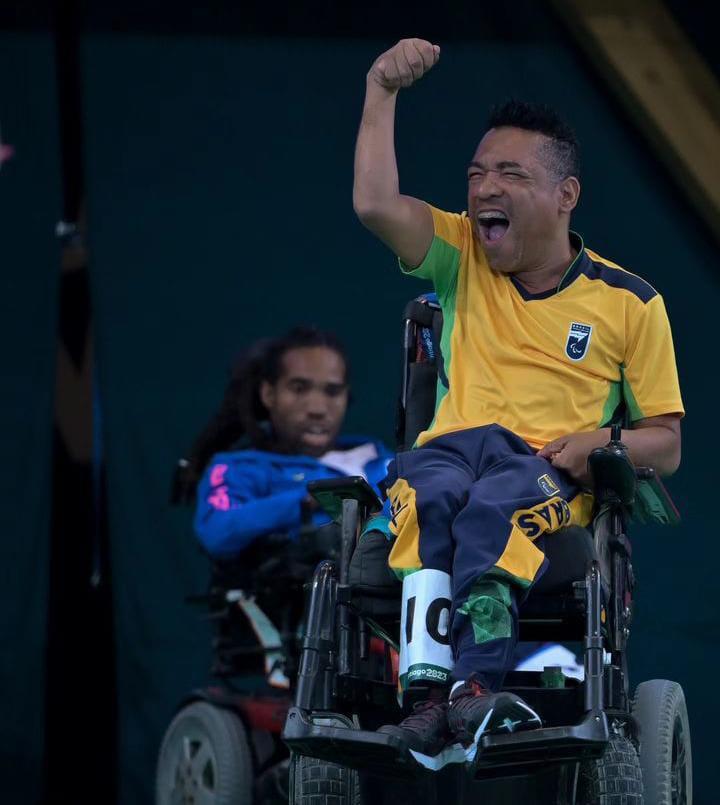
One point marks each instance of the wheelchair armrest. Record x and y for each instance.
(613, 474)
(330, 493)
(616, 479)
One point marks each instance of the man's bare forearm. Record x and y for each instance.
(403, 223)
(376, 175)
(653, 442)
(656, 446)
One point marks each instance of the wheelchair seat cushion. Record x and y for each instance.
(374, 585)
(568, 551)
(378, 591)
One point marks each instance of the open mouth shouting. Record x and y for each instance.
(492, 227)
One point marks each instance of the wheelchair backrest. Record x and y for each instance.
(422, 368)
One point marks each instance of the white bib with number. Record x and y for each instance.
(425, 653)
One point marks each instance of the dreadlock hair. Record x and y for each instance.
(242, 419)
(561, 153)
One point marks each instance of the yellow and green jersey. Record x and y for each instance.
(544, 365)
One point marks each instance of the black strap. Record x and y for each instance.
(437, 325)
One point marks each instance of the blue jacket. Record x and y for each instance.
(247, 494)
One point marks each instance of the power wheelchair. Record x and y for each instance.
(223, 745)
(598, 744)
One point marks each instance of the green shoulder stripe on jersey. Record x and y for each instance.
(440, 265)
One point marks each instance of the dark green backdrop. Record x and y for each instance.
(219, 189)
(29, 266)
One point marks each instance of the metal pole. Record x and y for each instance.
(593, 641)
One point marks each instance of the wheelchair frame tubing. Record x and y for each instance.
(316, 674)
(348, 535)
(593, 654)
(349, 527)
(619, 546)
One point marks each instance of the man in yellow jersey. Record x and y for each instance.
(544, 344)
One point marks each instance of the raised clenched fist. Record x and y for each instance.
(404, 63)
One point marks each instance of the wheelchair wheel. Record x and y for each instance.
(665, 753)
(204, 757)
(614, 778)
(317, 782)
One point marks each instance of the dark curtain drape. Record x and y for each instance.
(30, 206)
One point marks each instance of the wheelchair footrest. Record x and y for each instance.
(582, 741)
(358, 749)
(497, 755)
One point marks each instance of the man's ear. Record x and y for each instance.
(267, 394)
(569, 194)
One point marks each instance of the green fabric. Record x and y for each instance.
(380, 523)
(440, 265)
(508, 578)
(633, 408)
(651, 505)
(402, 573)
(614, 399)
(488, 607)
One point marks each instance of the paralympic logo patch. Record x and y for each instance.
(578, 340)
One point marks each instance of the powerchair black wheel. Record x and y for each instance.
(613, 779)
(665, 750)
(318, 782)
(205, 757)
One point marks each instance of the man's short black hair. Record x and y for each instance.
(563, 151)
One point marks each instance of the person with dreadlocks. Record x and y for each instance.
(277, 428)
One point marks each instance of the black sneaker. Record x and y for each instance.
(425, 730)
(474, 711)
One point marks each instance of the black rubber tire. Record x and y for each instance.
(205, 748)
(664, 735)
(613, 779)
(318, 782)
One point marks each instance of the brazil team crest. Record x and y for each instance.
(578, 340)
